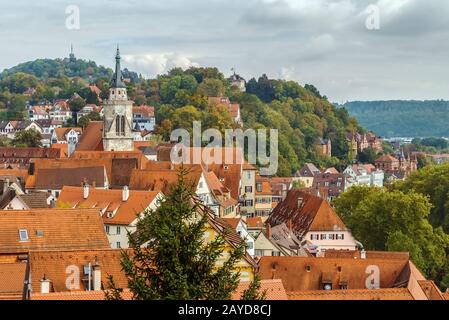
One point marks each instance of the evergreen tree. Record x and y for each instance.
(253, 292)
(178, 263)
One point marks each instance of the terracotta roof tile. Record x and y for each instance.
(161, 180)
(78, 295)
(57, 178)
(256, 222)
(35, 200)
(307, 213)
(306, 273)
(274, 289)
(92, 137)
(12, 277)
(109, 201)
(379, 294)
(53, 264)
(51, 229)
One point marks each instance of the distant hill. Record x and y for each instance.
(43, 69)
(400, 118)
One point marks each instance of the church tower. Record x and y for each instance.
(118, 114)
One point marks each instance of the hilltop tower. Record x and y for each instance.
(118, 114)
(72, 57)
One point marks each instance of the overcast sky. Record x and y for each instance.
(322, 42)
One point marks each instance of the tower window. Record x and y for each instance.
(120, 125)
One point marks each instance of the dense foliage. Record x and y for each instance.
(403, 118)
(409, 216)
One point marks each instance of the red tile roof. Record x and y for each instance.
(307, 213)
(54, 266)
(51, 229)
(92, 137)
(274, 290)
(55, 179)
(146, 111)
(124, 212)
(295, 274)
(12, 277)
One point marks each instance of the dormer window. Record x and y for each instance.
(23, 235)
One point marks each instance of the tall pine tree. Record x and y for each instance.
(170, 259)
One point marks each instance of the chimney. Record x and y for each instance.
(125, 194)
(45, 285)
(268, 230)
(363, 254)
(85, 191)
(96, 276)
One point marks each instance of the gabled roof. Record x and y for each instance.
(146, 111)
(387, 158)
(12, 277)
(56, 178)
(62, 132)
(308, 170)
(51, 229)
(35, 200)
(294, 272)
(162, 180)
(29, 153)
(256, 222)
(53, 265)
(307, 213)
(232, 222)
(92, 137)
(124, 212)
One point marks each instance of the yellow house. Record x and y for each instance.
(214, 227)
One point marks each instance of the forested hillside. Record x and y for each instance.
(301, 114)
(403, 118)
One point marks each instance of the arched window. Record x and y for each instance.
(122, 127)
(117, 125)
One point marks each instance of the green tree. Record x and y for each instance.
(253, 291)
(367, 156)
(211, 88)
(179, 263)
(85, 120)
(27, 138)
(395, 221)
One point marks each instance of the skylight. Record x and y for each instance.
(23, 235)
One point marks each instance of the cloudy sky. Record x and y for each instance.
(323, 42)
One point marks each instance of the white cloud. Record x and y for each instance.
(152, 64)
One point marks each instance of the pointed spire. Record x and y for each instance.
(72, 55)
(117, 80)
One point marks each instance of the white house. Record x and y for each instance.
(364, 175)
(119, 208)
(314, 222)
(239, 225)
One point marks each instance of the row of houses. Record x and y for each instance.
(65, 219)
(64, 254)
(330, 183)
(357, 144)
